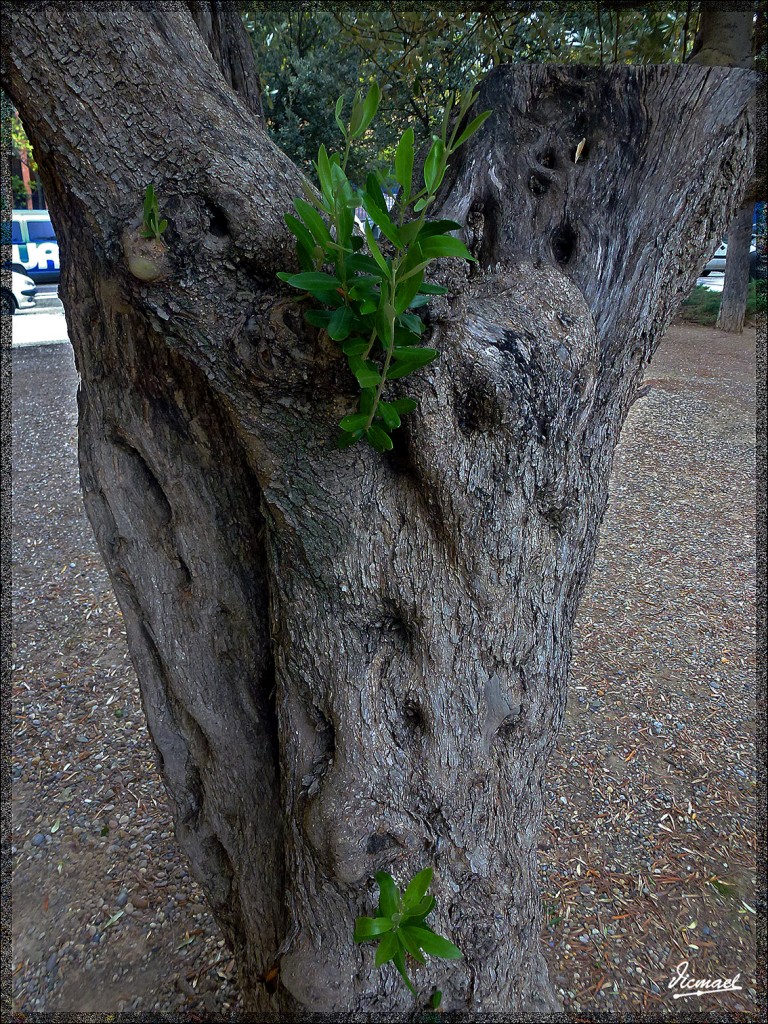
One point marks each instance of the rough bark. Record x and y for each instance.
(757, 191)
(221, 27)
(736, 283)
(351, 662)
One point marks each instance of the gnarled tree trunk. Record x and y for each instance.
(352, 662)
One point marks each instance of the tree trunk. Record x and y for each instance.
(736, 282)
(221, 27)
(758, 190)
(727, 37)
(349, 662)
(724, 36)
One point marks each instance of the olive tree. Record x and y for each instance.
(352, 662)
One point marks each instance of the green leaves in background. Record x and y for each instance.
(368, 302)
(400, 928)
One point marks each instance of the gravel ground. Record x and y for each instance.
(650, 848)
(105, 915)
(648, 855)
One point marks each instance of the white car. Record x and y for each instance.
(21, 294)
(717, 263)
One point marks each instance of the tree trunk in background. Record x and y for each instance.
(736, 284)
(349, 662)
(726, 38)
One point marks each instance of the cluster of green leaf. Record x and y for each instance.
(153, 226)
(367, 300)
(400, 929)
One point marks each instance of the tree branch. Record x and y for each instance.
(680, 134)
(221, 26)
(221, 183)
(544, 201)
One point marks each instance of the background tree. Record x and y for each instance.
(305, 65)
(17, 147)
(727, 37)
(352, 662)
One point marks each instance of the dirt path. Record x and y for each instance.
(648, 855)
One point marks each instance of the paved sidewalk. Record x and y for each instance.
(33, 327)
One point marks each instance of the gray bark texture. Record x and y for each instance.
(352, 662)
(758, 190)
(220, 25)
(736, 281)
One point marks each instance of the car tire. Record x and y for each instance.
(9, 303)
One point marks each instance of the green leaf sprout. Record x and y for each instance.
(153, 226)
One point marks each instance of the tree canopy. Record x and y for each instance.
(423, 59)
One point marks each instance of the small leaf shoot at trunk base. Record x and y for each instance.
(399, 927)
(153, 226)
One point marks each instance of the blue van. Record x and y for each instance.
(34, 245)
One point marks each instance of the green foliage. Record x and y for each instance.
(18, 146)
(153, 226)
(21, 146)
(703, 305)
(424, 58)
(367, 301)
(758, 297)
(19, 188)
(400, 930)
(305, 64)
(433, 50)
